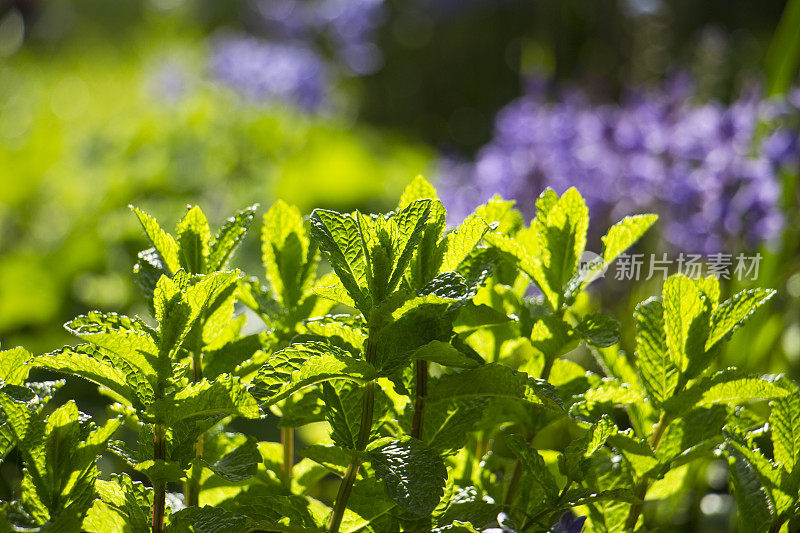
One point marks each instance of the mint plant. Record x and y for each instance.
(465, 378)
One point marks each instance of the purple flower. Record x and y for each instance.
(270, 72)
(701, 166)
(569, 523)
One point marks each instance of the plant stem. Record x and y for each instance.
(191, 490)
(367, 408)
(532, 520)
(287, 440)
(345, 488)
(640, 492)
(517, 474)
(160, 487)
(419, 402)
(512, 485)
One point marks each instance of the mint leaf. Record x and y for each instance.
(100, 366)
(343, 405)
(658, 374)
(128, 338)
(305, 364)
(686, 315)
(624, 234)
(340, 239)
(418, 189)
(239, 464)
(445, 354)
(194, 239)
(163, 242)
(447, 424)
(732, 313)
(410, 223)
(564, 225)
(726, 386)
(287, 254)
(535, 466)
(755, 508)
(228, 238)
(13, 367)
(552, 336)
(493, 380)
(599, 330)
(223, 396)
(785, 423)
(457, 244)
(412, 474)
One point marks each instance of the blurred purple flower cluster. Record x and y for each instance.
(346, 27)
(265, 71)
(299, 47)
(712, 171)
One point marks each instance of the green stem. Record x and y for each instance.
(367, 408)
(640, 492)
(419, 402)
(287, 440)
(160, 487)
(517, 474)
(191, 489)
(530, 522)
(345, 488)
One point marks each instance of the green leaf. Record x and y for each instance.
(446, 425)
(535, 466)
(194, 241)
(501, 212)
(260, 511)
(599, 330)
(102, 367)
(599, 433)
(445, 354)
(565, 224)
(698, 431)
(732, 313)
(658, 374)
(128, 338)
(493, 380)
(131, 499)
(368, 504)
(343, 405)
(456, 526)
(13, 367)
(418, 189)
(159, 470)
(305, 364)
(785, 423)
(457, 244)
(228, 238)
(726, 386)
(287, 254)
(755, 509)
(334, 458)
(340, 239)
(624, 234)
(686, 314)
(178, 308)
(552, 336)
(164, 243)
(226, 395)
(414, 475)
(410, 223)
(239, 464)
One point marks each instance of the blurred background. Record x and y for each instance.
(684, 108)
